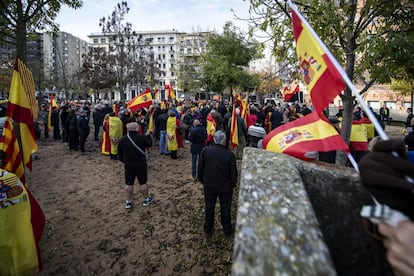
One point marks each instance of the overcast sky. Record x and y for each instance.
(156, 15)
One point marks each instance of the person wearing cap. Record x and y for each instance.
(217, 171)
(197, 137)
(131, 152)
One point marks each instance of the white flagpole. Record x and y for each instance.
(343, 74)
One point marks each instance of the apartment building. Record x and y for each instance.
(169, 48)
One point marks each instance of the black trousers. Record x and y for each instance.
(225, 211)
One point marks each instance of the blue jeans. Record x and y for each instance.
(194, 159)
(163, 142)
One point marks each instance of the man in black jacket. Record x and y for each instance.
(135, 162)
(217, 171)
(197, 137)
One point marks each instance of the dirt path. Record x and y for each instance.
(89, 232)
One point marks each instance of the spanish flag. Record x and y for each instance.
(290, 91)
(169, 91)
(142, 100)
(22, 109)
(321, 77)
(115, 108)
(22, 222)
(234, 133)
(156, 91)
(309, 133)
(49, 115)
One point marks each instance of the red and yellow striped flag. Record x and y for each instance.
(142, 100)
(234, 133)
(22, 108)
(156, 91)
(321, 77)
(9, 144)
(309, 133)
(246, 110)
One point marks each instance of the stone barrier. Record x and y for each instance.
(302, 218)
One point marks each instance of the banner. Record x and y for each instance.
(309, 133)
(141, 101)
(321, 77)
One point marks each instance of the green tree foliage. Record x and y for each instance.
(20, 17)
(228, 55)
(369, 38)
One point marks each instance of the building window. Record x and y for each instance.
(95, 40)
(103, 40)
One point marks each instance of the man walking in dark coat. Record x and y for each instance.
(217, 171)
(83, 130)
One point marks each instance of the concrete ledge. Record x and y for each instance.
(301, 218)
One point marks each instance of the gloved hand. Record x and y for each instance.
(384, 175)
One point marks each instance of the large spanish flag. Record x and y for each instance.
(22, 223)
(321, 77)
(22, 108)
(309, 133)
(142, 100)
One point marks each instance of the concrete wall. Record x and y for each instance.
(302, 218)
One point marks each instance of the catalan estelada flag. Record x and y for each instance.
(309, 133)
(321, 77)
(22, 109)
(142, 100)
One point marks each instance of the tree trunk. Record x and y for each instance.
(347, 100)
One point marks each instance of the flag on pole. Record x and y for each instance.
(320, 75)
(22, 109)
(245, 109)
(234, 135)
(169, 91)
(52, 104)
(156, 91)
(115, 107)
(10, 145)
(309, 133)
(142, 100)
(290, 91)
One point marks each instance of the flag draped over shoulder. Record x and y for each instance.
(142, 100)
(234, 135)
(309, 133)
(321, 77)
(22, 109)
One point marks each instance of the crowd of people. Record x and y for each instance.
(128, 136)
